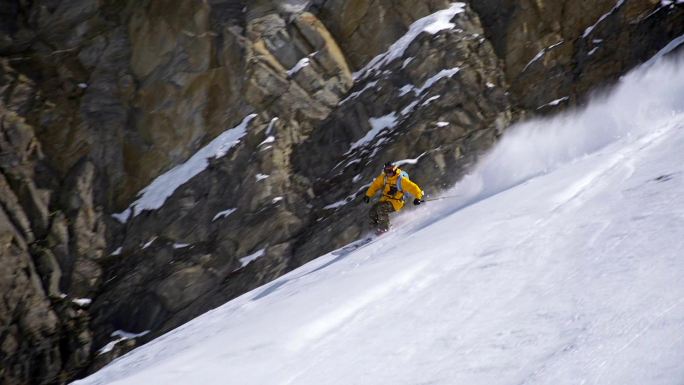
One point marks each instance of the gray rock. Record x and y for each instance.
(99, 98)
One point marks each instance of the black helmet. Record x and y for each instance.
(389, 168)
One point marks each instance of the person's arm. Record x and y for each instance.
(411, 188)
(375, 186)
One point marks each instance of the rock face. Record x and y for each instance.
(366, 28)
(45, 336)
(560, 50)
(163, 157)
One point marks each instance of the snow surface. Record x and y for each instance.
(432, 24)
(558, 260)
(155, 194)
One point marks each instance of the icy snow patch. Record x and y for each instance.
(542, 53)
(292, 6)
(406, 89)
(269, 139)
(430, 100)
(180, 245)
(82, 301)
(123, 216)
(554, 102)
(409, 161)
(445, 73)
(155, 194)
(406, 62)
(271, 125)
(337, 204)
(121, 336)
(300, 64)
(432, 24)
(359, 92)
(442, 124)
(245, 260)
(117, 251)
(149, 243)
(409, 107)
(377, 126)
(589, 29)
(260, 177)
(223, 213)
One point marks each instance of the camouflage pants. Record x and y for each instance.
(379, 215)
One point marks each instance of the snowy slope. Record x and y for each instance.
(559, 261)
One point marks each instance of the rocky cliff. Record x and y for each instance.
(159, 158)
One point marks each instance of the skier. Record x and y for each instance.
(393, 182)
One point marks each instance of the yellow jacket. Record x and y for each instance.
(386, 183)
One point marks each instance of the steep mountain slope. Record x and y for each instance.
(159, 158)
(555, 261)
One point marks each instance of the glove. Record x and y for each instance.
(366, 199)
(417, 201)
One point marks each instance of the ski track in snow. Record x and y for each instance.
(559, 262)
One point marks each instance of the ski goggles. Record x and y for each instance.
(390, 170)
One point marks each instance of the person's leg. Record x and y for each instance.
(374, 214)
(384, 210)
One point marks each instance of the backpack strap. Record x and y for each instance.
(401, 176)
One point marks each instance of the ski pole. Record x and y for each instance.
(440, 198)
